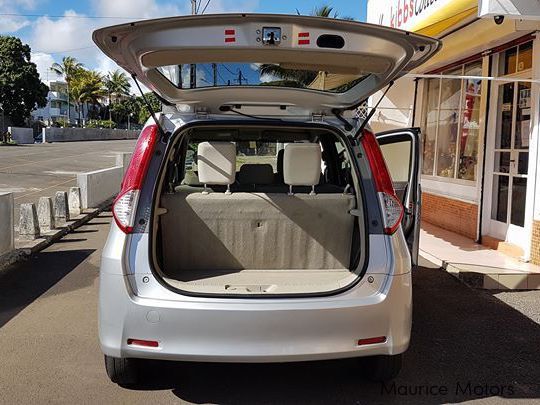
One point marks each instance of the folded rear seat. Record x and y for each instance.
(256, 230)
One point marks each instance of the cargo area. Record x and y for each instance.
(258, 211)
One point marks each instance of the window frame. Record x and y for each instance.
(434, 170)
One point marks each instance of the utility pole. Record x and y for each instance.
(193, 67)
(241, 77)
(214, 73)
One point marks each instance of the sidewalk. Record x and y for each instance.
(474, 264)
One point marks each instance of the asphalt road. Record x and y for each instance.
(33, 171)
(49, 350)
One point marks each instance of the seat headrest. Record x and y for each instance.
(302, 164)
(279, 162)
(191, 179)
(256, 174)
(216, 162)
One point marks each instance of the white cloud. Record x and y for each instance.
(53, 38)
(44, 62)
(71, 32)
(13, 23)
(228, 6)
(10, 24)
(265, 78)
(137, 9)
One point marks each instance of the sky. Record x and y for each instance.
(57, 28)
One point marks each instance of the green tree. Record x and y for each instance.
(21, 89)
(144, 114)
(128, 107)
(117, 86)
(69, 68)
(87, 87)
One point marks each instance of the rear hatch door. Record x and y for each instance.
(312, 63)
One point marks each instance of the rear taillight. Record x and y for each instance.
(391, 207)
(125, 204)
(141, 342)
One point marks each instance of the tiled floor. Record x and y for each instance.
(476, 264)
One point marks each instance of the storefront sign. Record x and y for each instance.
(429, 17)
(516, 9)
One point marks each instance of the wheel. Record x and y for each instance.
(381, 368)
(122, 371)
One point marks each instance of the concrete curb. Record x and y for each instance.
(485, 277)
(24, 249)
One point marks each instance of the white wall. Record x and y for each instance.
(6, 222)
(99, 186)
(395, 110)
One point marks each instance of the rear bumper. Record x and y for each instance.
(244, 330)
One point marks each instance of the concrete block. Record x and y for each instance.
(123, 159)
(491, 282)
(6, 222)
(61, 210)
(74, 201)
(533, 282)
(99, 186)
(513, 281)
(22, 135)
(28, 222)
(45, 212)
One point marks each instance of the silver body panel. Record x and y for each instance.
(252, 330)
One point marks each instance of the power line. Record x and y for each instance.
(66, 51)
(70, 16)
(228, 70)
(204, 9)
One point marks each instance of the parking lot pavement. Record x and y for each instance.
(463, 340)
(33, 171)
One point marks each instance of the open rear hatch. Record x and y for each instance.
(311, 63)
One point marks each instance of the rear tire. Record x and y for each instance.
(381, 368)
(124, 372)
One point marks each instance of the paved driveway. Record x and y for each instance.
(32, 171)
(463, 340)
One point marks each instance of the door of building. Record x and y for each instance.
(508, 163)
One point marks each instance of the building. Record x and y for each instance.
(56, 109)
(477, 103)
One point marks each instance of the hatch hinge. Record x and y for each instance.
(317, 117)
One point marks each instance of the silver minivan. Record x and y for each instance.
(260, 219)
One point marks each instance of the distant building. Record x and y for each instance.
(56, 109)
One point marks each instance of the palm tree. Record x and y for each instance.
(302, 77)
(117, 85)
(87, 88)
(68, 69)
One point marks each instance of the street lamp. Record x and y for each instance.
(130, 115)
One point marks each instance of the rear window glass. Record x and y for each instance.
(201, 75)
(250, 152)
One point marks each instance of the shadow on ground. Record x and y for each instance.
(23, 282)
(465, 343)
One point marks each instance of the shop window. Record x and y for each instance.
(516, 59)
(430, 130)
(470, 124)
(452, 124)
